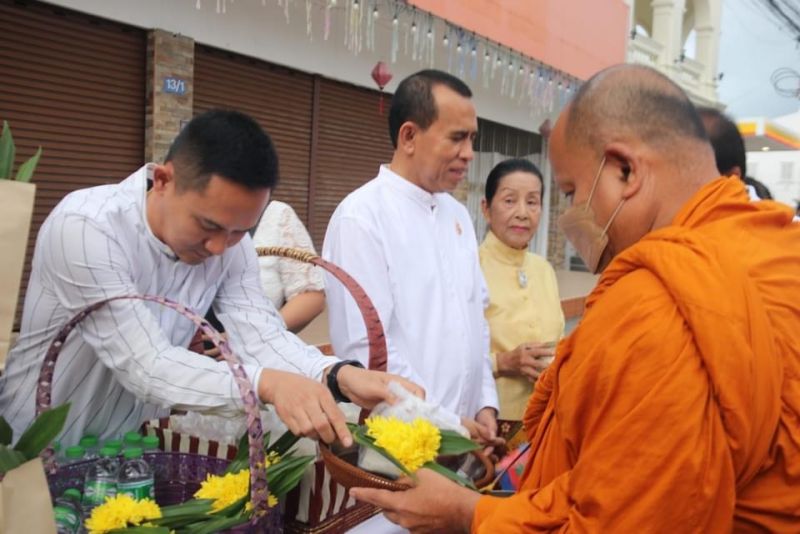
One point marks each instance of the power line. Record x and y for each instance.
(787, 13)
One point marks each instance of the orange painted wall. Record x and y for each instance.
(578, 37)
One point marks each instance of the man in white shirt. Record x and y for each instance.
(412, 247)
(177, 230)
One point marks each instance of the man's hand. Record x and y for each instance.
(435, 504)
(484, 429)
(214, 351)
(368, 388)
(304, 405)
(528, 360)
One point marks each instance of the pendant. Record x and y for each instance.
(522, 278)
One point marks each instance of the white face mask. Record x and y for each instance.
(589, 238)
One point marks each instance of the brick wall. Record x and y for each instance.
(169, 56)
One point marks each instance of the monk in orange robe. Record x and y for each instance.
(675, 405)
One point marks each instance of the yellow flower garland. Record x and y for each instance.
(121, 511)
(411, 444)
(226, 490)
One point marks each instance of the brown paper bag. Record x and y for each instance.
(25, 505)
(16, 207)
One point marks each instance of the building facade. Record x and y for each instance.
(105, 85)
(681, 39)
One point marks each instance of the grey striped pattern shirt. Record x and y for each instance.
(126, 362)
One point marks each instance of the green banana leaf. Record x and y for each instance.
(6, 433)
(7, 152)
(25, 171)
(42, 431)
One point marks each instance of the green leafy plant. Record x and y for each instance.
(7, 153)
(42, 432)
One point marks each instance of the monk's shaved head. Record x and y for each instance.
(632, 101)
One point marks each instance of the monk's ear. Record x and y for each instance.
(628, 166)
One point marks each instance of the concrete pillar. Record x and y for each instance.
(170, 89)
(667, 30)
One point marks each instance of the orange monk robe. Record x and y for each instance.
(675, 404)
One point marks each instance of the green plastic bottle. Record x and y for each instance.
(91, 445)
(101, 480)
(135, 476)
(73, 454)
(67, 511)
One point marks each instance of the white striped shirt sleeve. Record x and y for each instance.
(86, 265)
(257, 331)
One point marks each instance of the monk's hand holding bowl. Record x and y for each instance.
(434, 504)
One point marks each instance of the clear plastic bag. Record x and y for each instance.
(407, 408)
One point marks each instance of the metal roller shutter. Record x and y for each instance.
(278, 98)
(75, 85)
(352, 141)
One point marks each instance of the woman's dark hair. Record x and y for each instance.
(507, 167)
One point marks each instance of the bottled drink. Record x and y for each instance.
(74, 454)
(135, 476)
(150, 450)
(114, 444)
(101, 480)
(67, 511)
(149, 444)
(90, 444)
(133, 440)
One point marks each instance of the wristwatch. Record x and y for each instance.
(333, 381)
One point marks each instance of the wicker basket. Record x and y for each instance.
(341, 463)
(177, 475)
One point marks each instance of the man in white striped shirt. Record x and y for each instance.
(180, 231)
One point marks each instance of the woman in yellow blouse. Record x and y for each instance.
(524, 313)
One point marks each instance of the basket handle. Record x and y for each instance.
(258, 478)
(375, 335)
(372, 321)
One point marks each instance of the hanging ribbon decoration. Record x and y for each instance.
(309, 33)
(543, 90)
(382, 76)
(327, 28)
(395, 35)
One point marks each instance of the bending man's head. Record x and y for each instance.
(213, 186)
(632, 145)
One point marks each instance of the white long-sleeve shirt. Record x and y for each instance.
(284, 278)
(126, 362)
(416, 256)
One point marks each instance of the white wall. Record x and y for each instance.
(259, 29)
(779, 171)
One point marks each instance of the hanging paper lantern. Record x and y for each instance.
(382, 76)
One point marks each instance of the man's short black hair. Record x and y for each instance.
(413, 101)
(725, 139)
(507, 167)
(227, 143)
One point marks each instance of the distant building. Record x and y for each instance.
(773, 154)
(681, 39)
